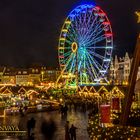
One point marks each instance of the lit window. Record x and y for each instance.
(24, 72)
(33, 70)
(19, 72)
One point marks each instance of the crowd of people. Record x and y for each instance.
(48, 128)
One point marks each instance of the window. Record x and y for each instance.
(19, 72)
(24, 72)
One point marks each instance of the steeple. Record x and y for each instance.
(116, 59)
(126, 57)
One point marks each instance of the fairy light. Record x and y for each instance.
(116, 131)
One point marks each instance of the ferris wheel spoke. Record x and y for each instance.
(69, 62)
(80, 32)
(80, 65)
(98, 26)
(90, 58)
(96, 54)
(71, 35)
(89, 20)
(90, 28)
(68, 48)
(95, 47)
(92, 36)
(85, 23)
(94, 27)
(68, 58)
(96, 40)
(82, 61)
(67, 53)
(85, 16)
(82, 25)
(91, 71)
(98, 33)
(92, 67)
(69, 40)
(101, 68)
(72, 31)
(93, 32)
(78, 23)
(98, 66)
(72, 63)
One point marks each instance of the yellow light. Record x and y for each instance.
(51, 97)
(67, 22)
(74, 47)
(63, 39)
(42, 72)
(138, 14)
(61, 99)
(64, 30)
(61, 48)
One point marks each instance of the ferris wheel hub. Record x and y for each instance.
(74, 47)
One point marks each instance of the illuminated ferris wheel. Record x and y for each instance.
(85, 44)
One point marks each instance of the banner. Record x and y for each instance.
(115, 103)
(105, 113)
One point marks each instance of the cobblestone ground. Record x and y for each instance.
(79, 119)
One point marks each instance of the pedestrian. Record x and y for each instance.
(48, 129)
(21, 111)
(30, 126)
(65, 109)
(67, 136)
(73, 132)
(25, 109)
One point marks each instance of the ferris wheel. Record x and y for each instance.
(86, 44)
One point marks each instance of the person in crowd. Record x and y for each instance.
(72, 132)
(48, 129)
(25, 109)
(30, 127)
(67, 136)
(65, 109)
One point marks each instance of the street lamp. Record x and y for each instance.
(42, 75)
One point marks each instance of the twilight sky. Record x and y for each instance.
(29, 29)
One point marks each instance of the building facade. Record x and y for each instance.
(8, 76)
(27, 77)
(120, 69)
(22, 77)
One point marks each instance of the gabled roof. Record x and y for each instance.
(9, 71)
(6, 90)
(22, 90)
(2, 69)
